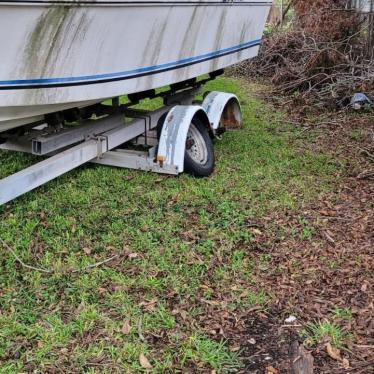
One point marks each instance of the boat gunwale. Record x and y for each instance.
(119, 3)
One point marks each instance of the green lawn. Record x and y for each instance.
(183, 244)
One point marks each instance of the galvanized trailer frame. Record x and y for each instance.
(104, 140)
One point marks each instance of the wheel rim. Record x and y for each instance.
(196, 147)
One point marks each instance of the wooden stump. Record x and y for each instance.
(301, 361)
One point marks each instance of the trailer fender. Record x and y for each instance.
(223, 110)
(172, 142)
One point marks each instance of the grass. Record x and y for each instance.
(325, 332)
(342, 314)
(202, 350)
(189, 242)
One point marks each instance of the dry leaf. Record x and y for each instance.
(257, 231)
(235, 349)
(333, 352)
(126, 328)
(87, 251)
(271, 370)
(211, 302)
(364, 287)
(145, 364)
(345, 364)
(183, 314)
(149, 306)
(101, 290)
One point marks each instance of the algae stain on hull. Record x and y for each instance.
(51, 43)
(41, 43)
(243, 36)
(154, 45)
(221, 29)
(190, 39)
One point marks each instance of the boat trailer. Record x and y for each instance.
(167, 136)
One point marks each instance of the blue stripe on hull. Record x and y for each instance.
(91, 79)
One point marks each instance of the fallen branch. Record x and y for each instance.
(30, 267)
(47, 271)
(315, 71)
(366, 174)
(367, 154)
(97, 264)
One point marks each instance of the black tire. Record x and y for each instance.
(205, 168)
(160, 123)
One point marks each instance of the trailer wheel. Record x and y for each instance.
(199, 157)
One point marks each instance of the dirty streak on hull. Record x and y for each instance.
(51, 43)
(219, 36)
(190, 39)
(57, 56)
(154, 44)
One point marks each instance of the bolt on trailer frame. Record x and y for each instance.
(109, 140)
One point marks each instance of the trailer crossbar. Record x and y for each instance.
(113, 141)
(46, 170)
(36, 175)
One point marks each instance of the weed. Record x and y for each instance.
(200, 349)
(342, 314)
(323, 332)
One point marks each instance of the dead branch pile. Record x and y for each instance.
(313, 70)
(326, 19)
(320, 61)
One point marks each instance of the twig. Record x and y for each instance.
(366, 153)
(366, 174)
(364, 346)
(141, 336)
(291, 326)
(47, 271)
(97, 264)
(30, 267)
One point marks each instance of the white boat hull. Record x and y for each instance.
(60, 55)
